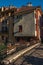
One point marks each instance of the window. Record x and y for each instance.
(13, 33)
(13, 23)
(20, 28)
(4, 29)
(6, 40)
(2, 37)
(4, 22)
(18, 17)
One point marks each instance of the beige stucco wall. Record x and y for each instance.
(28, 26)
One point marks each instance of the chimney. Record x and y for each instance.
(3, 8)
(29, 4)
(11, 6)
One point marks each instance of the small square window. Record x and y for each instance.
(20, 28)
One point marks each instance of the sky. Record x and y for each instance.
(19, 3)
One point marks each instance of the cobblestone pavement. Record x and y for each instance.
(36, 58)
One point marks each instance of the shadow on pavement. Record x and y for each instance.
(39, 48)
(33, 60)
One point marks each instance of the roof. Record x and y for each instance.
(26, 9)
(19, 11)
(7, 10)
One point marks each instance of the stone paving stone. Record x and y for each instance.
(36, 58)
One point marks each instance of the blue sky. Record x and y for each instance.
(19, 3)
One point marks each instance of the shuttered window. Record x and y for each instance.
(20, 28)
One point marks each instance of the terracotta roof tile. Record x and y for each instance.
(26, 8)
